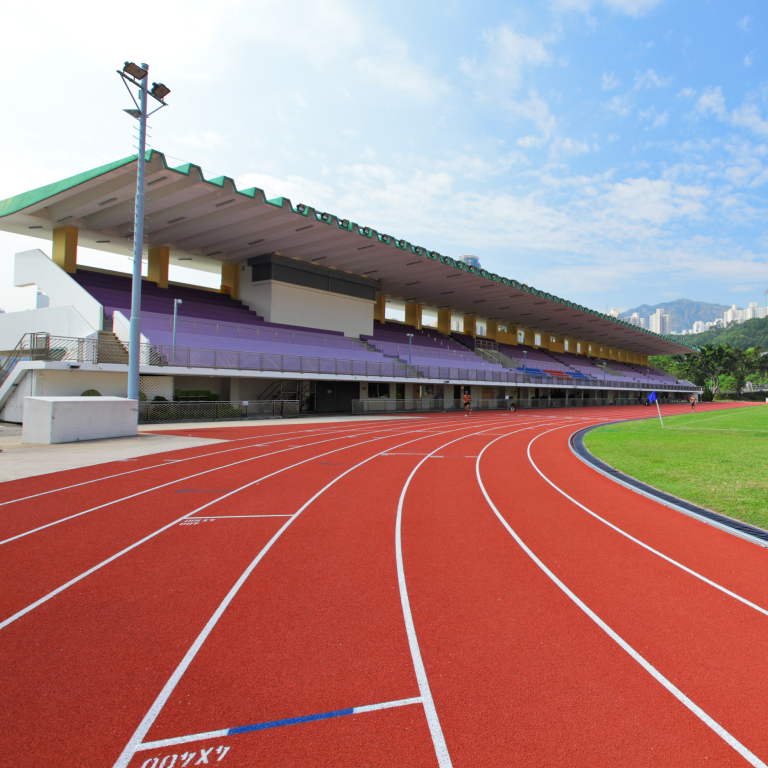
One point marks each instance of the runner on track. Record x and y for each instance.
(693, 403)
(467, 402)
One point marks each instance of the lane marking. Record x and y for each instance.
(276, 724)
(433, 720)
(674, 690)
(122, 552)
(187, 477)
(629, 536)
(154, 711)
(235, 517)
(310, 433)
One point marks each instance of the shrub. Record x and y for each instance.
(159, 399)
(142, 397)
(706, 395)
(90, 393)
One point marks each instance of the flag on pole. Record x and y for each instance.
(653, 399)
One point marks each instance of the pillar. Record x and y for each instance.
(413, 315)
(380, 309)
(157, 265)
(444, 321)
(65, 248)
(530, 337)
(491, 329)
(470, 325)
(230, 279)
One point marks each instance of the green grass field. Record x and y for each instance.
(717, 459)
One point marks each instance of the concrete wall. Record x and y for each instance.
(58, 321)
(35, 268)
(75, 382)
(71, 419)
(295, 305)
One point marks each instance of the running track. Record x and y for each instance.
(427, 591)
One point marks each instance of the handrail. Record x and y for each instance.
(58, 348)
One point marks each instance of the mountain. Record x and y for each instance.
(683, 312)
(751, 333)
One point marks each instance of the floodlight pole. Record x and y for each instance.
(134, 345)
(410, 339)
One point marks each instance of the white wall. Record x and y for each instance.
(35, 268)
(57, 320)
(75, 382)
(294, 305)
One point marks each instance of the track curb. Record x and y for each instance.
(737, 528)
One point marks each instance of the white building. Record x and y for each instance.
(635, 319)
(660, 323)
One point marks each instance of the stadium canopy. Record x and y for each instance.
(208, 222)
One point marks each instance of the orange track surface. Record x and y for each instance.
(128, 621)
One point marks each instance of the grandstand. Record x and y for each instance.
(304, 312)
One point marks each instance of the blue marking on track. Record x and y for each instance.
(289, 721)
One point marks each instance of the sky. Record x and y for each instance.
(612, 152)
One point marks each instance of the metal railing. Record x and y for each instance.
(154, 412)
(385, 405)
(419, 351)
(72, 350)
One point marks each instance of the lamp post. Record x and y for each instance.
(410, 341)
(133, 74)
(176, 303)
(525, 358)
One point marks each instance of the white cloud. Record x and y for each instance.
(686, 93)
(748, 116)
(744, 23)
(661, 120)
(613, 137)
(610, 82)
(619, 105)
(747, 61)
(563, 147)
(712, 100)
(650, 79)
(654, 201)
(634, 8)
(509, 54)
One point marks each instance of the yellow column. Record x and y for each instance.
(444, 321)
(413, 315)
(65, 248)
(492, 329)
(470, 325)
(230, 279)
(380, 308)
(544, 338)
(530, 337)
(157, 266)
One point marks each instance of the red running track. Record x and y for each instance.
(427, 591)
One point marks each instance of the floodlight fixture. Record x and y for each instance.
(133, 113)
(301, 207)
(345, 223)
(134, 70)
(326, 217)
(160, 91)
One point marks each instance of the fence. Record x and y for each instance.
(384, 405)
(40, 346)
(216, 411)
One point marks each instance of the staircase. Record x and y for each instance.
(303, 391)
(111, 349)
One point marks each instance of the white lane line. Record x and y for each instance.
(656, 552)
(190, 458)
(276, 724)
(122, 552)
(235, 517)
(182, 479)
(433, 720)
(674, 690)
(138, 737)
